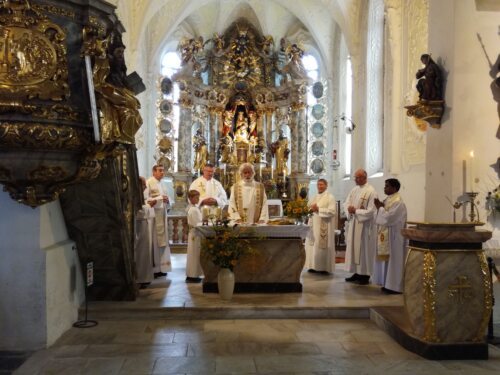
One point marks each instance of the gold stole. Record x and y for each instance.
(358, 231)
(259, 198)
(323, 228)
(160, 226)
(383, 249)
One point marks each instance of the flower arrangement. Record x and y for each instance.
(296, 209)
(493, 199)
(226, 247)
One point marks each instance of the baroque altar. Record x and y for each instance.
(242, 100)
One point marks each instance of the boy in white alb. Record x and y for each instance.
(193, 266)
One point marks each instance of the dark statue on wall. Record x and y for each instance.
(430, 81)
(430, 87)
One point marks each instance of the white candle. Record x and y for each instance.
(464, 175)
(471, 171)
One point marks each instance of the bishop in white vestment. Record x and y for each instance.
(248, 201)
(161, 250)
(362, 232)
(320, 246)
(391, 245)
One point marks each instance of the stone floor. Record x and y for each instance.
(173, 328)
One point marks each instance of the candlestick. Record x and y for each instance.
(464, 175)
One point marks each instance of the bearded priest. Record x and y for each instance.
(248, 201)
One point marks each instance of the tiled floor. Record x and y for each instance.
(134, 344)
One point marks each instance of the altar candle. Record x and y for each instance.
(204, 213)
(218, 213)
(471, 171)
(464, 175)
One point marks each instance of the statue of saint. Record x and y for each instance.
(117, 102)
(241, 132)
(280, 151)
(252, 129)
(430, 87)
(200, 149)
(227, 127)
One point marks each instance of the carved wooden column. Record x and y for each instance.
(184, 162)
(301, 141)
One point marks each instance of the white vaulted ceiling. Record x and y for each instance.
(153, 25)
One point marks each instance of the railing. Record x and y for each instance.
(178, 229)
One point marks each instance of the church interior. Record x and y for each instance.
(302, 90)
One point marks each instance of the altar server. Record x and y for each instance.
(362, 232)
(320, 246)
(391, 245)
(248, 201)
(161, 249)
(193, 266)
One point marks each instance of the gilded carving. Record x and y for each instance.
(461, 290)
(120, 119)
(47, 173)
(429, 286)
(45, 8)
(488, 296)
(43, 136)
(32, 55)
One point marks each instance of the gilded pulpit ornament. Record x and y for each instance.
(115, 96)
(32, 54)
(430, 105)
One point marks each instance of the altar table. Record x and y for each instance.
(274, 265)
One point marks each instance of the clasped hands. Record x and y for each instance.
(208, 202)
(378, 203)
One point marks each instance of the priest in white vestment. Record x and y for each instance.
(161, 250)
(248, 201)
(193, 264)
(211, 191)
(320, 246)
(362, 232)
(391, 245)
(143, 236)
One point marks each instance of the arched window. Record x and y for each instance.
(170, 64)
(348, 113)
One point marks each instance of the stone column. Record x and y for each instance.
(294, 142)
(269, 136)
(213, 135)
(183, 176)
(302, 141)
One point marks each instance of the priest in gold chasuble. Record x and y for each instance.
(248, 201)
(320, 246)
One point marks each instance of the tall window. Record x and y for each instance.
(170, 64)
(348, 113)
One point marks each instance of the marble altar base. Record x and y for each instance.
(274, 265)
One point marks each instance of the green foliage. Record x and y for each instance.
(226, 247)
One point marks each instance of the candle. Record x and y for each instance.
(218, 213)
(464, 175)
(204, 213)
(471, 171)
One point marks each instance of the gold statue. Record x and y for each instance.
(241, 133)
(280, 151)
(119, 106)
(201, 152)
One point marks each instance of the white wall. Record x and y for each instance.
(40, 285)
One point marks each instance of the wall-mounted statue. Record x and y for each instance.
(280, 150)
(430, 105)
(430, 80)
